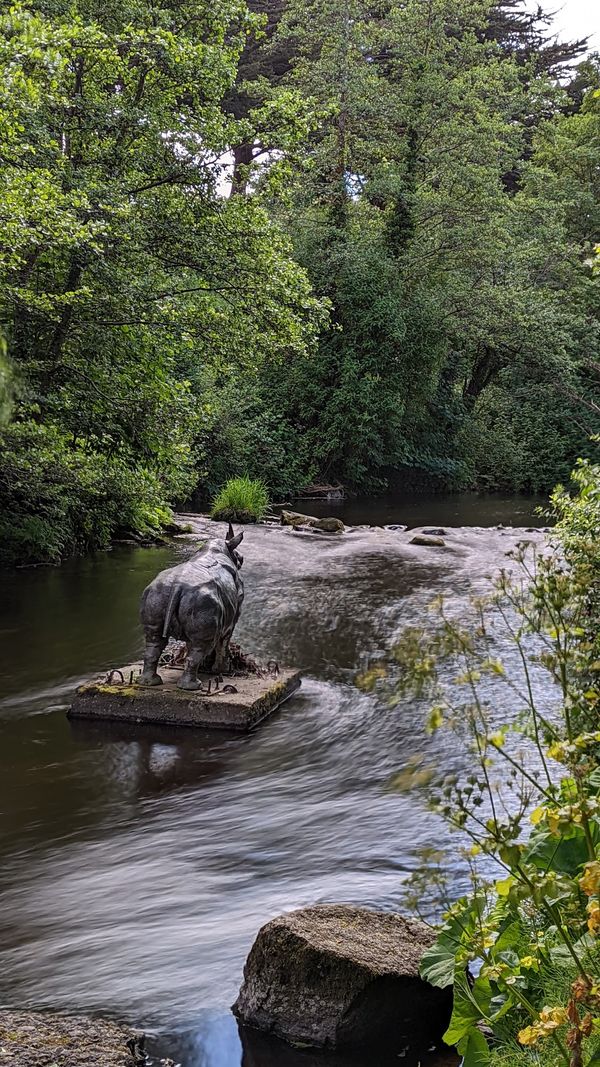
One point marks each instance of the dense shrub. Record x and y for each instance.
(522, 436)
(60, 500)
(254, 428)
(241, 500)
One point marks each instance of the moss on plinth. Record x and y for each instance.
(234, 703)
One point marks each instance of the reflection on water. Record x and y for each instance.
(138, 864)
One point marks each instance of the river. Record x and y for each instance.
(137, 865)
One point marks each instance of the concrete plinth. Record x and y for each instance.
(253, 698)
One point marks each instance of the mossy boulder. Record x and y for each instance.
(339, 976)
(427, 541)
(327, 524)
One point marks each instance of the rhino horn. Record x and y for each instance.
(230, 533)
(234, 542)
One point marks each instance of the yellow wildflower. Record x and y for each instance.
(590, 882)
(549, 1021)
(593, 910)
(553, 821)
(529, 1036)
(554, 1017)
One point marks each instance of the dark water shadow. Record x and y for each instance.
(233, 1043)
(261, 1050)
(412, 508)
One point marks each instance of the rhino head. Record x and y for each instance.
(232, 541)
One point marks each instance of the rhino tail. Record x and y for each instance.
(173, 601)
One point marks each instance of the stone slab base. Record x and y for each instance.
(254, 698)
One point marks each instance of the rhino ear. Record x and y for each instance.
(233, 544)
(230, 533)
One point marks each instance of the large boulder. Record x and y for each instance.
(327, 524)
(340, 976)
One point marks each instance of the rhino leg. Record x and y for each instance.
(189, 678)
(221, 660)
(155, 644)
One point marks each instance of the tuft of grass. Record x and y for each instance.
(241, 500)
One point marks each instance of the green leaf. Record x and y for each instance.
(475, 1050)
(438, 962)
(593, 781)
(471, 1005)
(509, 938)
(566, 854)
(500, 1005)
(503, 887)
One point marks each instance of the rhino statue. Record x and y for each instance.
(198, 602)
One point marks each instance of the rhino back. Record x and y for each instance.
(212, 603)
(200, 596)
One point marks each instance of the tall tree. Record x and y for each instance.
(438, 275)
(526, 33)
(125, 275)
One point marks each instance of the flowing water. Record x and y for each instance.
(138, 863)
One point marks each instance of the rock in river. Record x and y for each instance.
(33, 1039)
(328, 524)
(427, 541)
(340, 976)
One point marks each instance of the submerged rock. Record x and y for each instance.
(426, 540)
(177, 529)
(33, 1039)
(433, 531)
(328, 524)
(340, 976)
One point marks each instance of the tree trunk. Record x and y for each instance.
(62, 328)
(242, 158)
(485, 369)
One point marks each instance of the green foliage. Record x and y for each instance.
(522, 435)
(253, 426)
(403, 276)
(578, 526)
(6, 386)
(130, 286)
(530, 807)
(452, 262)
(578, 519)
(61, 500)
(241, 500)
